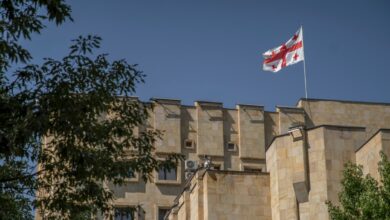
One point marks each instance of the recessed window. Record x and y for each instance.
(130, 174)
(231, 146)
(166, 174)
(188, 143)
(216, 166)
(124, 213)
(162, 212)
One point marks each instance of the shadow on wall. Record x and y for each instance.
(137, 187)
(167, 189)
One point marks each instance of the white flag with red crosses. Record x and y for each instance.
(287, 54)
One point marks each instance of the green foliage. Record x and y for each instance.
(362, 197)
(79, 108)
(22, 18)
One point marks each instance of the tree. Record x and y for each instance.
(79, 108)
(362, 197)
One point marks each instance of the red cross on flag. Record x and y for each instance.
(286, 54)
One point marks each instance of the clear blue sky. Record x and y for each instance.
(211, 49)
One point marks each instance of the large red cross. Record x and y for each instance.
(283, 53)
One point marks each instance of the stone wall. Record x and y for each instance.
(210, 128)
(166, 118)
(225, 195)
(305, 175)
(368, 155)
(238, 195)
(289, 117)
(373, 116)
(251, 130)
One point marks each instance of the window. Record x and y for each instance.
(231, 146)
(124, 213)
(216, 166)
(165, 174)
(162, 212)
(188, 143)
(168, 176)
(130, 174)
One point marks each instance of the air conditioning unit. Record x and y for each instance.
(191, 165)
(188, 175)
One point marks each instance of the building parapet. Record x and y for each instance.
(340, 101)
(209, 104)
(166, 101)
(337, 127)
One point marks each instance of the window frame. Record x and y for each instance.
(133, 179)
(158, 206)
(167, 208)
(133, 216)
(166, 174)
(177, 181)
(136, 176)
(235, 146)
(193, 144)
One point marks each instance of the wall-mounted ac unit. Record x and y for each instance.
(191, 165)
(188, 175)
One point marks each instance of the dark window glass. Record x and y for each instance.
(231, 146)
(165, 174)
(216, 166)
(125, 213)
(130, 174)
(161, 213)
(188, 143)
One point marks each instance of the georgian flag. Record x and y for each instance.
(287, 54)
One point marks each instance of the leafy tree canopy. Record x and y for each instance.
(363, 197)
(68, 126)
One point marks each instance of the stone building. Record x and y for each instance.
(306, 149)
(264, 165)
(248, 163)
(234, 139)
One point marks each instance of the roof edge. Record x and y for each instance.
(342, 101)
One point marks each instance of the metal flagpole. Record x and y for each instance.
(304, 63)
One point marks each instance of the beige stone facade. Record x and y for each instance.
(305, 165)
(265, 165)
(233, 138)
(224, 195)
(368, 154)
(305, 173)
(306, 148)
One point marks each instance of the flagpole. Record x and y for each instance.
(304, 63)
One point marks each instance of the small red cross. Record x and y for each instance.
(295, 37)
(296, 56)
(273, 67)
